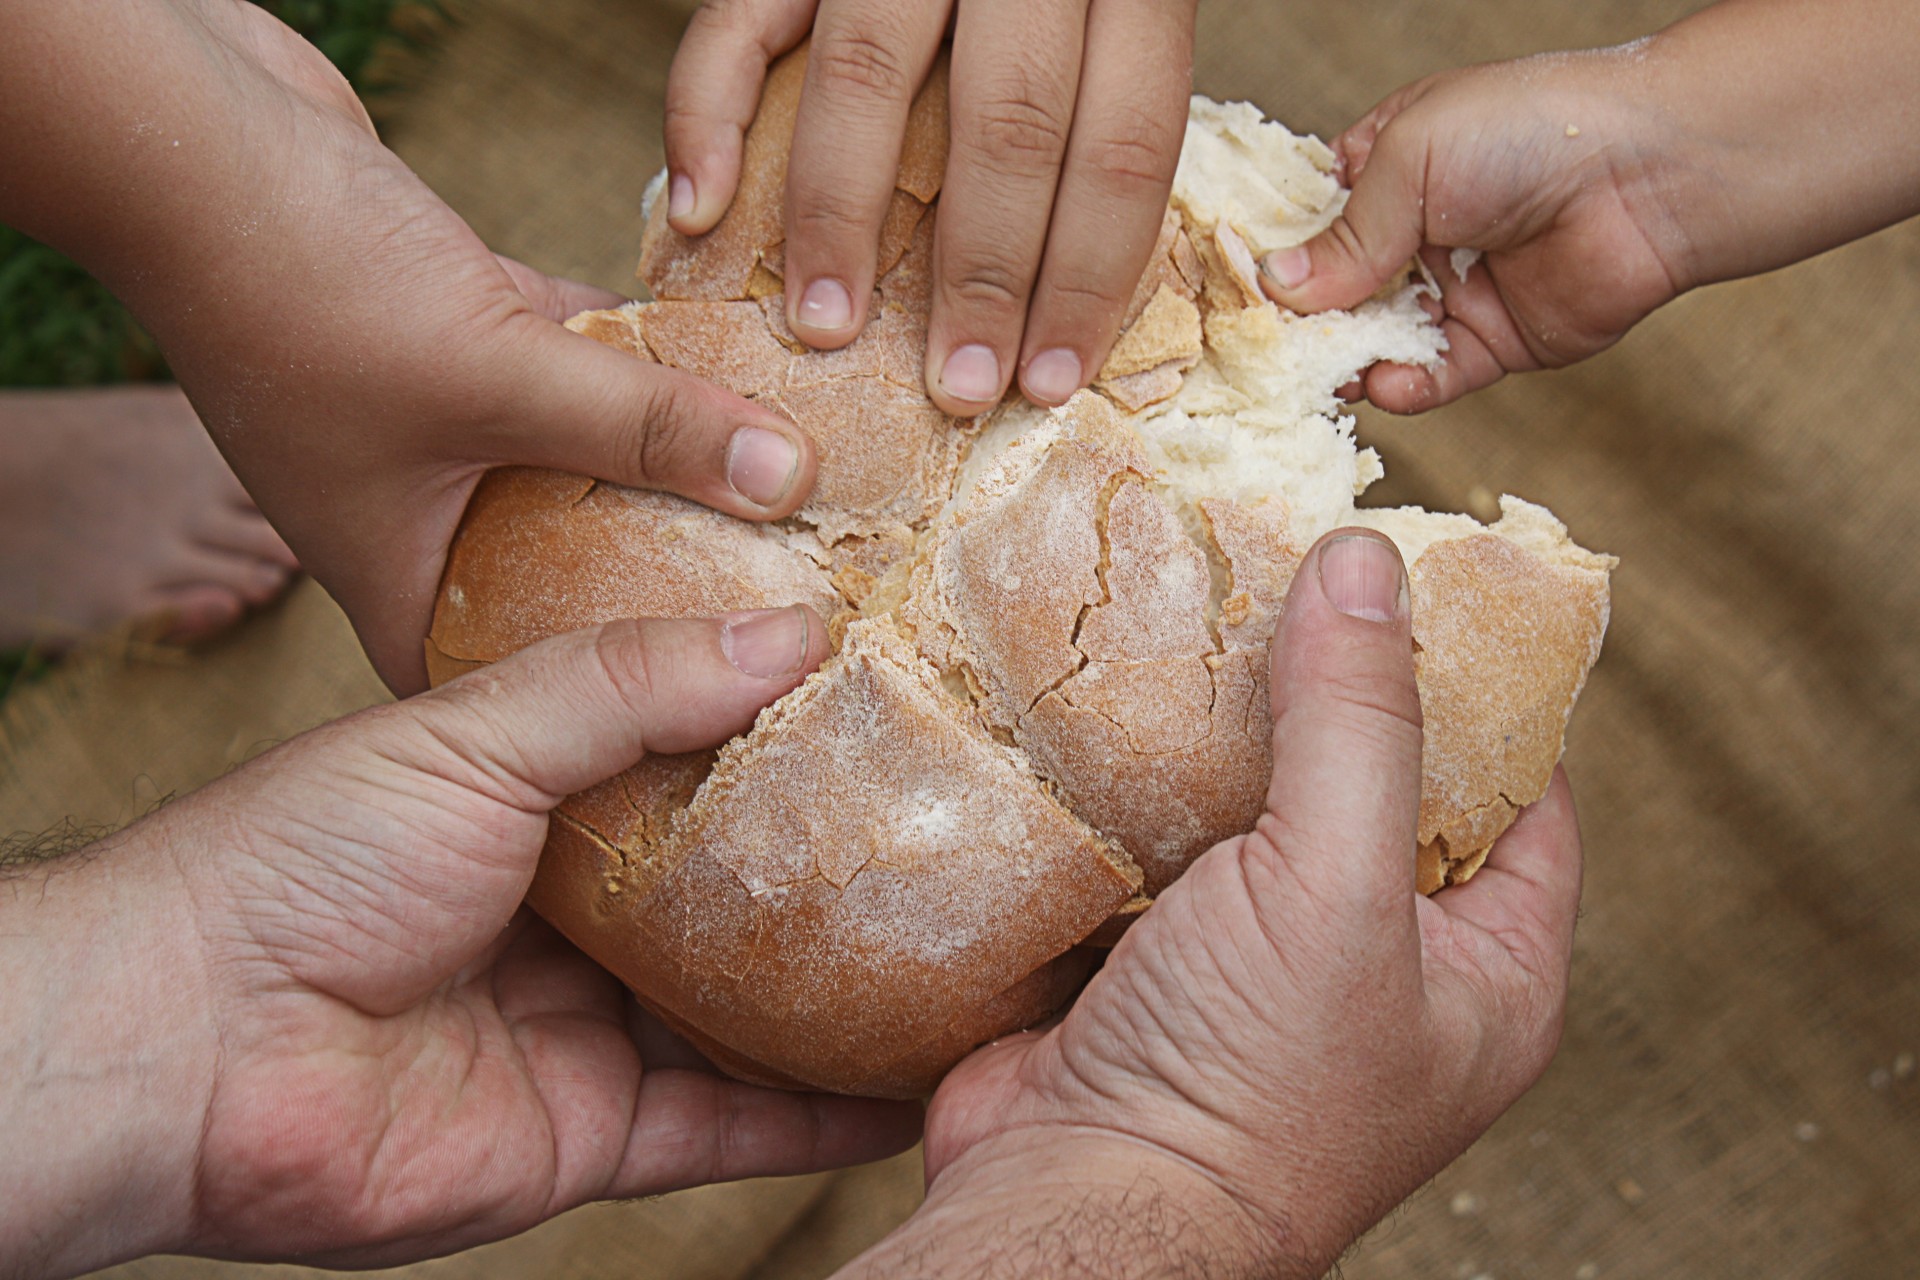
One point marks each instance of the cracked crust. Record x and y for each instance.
(1051, 690)
(539, 553)
(888, 917)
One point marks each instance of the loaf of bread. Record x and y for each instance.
(1049, 691)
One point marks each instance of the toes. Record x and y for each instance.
(198, 613)
(253, 580)
(246, 532)
(258, 581)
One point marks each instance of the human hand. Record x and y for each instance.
(1601, 185)
(356, 352)
(1543, 168)
(1067, 122)
(1292, 1039)
(306, 1018)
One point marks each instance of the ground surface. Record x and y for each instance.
(1730, 1100)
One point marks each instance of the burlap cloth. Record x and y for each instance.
(1736, 1094)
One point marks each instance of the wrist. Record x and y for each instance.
(107, 1063)
(1069, 1202)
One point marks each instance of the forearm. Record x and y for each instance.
(221, 184)
(129, 137)
(105, 1059)
(1785, 128)
(1064, 1205)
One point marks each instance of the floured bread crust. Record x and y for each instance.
(1050, 689)
(857, 881)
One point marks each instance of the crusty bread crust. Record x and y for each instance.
(1050, 689)
(860, 884)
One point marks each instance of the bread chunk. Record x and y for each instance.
(1052, 628)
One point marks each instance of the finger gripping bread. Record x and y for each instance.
(1049, 691)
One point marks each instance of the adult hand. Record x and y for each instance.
(355, 351)
(298, 1013)
(1293, 1039)
(1067, 121)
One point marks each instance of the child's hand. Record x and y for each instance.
(1541, 168)
(1067, 121)
(1602, 185)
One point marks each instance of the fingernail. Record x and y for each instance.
(972, 373)
(770, 644)
(1053, 375)
(1362, 577)
(761, 465)
(679, 196)
(1288, 268)
(826, 305)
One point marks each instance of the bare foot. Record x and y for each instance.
(115, 507)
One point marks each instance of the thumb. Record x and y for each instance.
(397, 843)
(1371, 241)
(1343, 806)
(579, 406)
(572, 711)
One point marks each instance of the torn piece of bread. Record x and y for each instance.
(1049, 693)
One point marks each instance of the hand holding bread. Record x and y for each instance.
(1292, 1040)
(1065, 123)
(1051, 628)
(302, 1013)
(355, 351)
(1557, 201)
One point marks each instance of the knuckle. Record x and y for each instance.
(1136, 157)
(742, 25)
(1345, 238)
(683, 121)
(988, 283)
(824, 209)
(1081, 292)
(1374, 700)
(865, 63)
(659, 433)
(627, 663)
(1019, 130)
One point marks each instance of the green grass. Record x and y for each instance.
(60, 328)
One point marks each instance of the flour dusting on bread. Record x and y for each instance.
(1049, 693)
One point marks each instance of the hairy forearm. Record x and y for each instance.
(1786, 127)
(1066, 1205)
(105, 1056)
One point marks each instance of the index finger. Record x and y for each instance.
(867, 61)
(713, 91)
(1127, 131)
(1527, 896)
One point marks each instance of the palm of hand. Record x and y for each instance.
(402, 1039)
(405, 1061)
